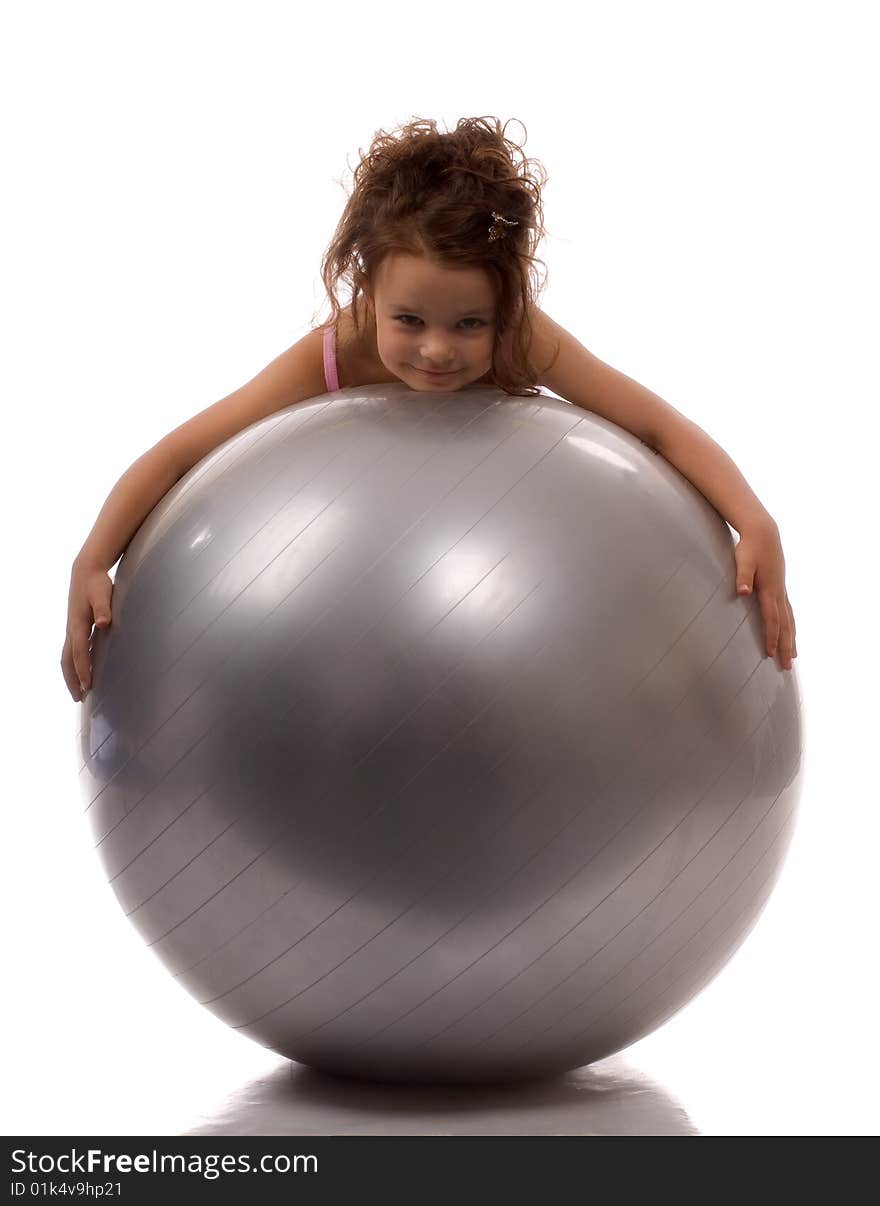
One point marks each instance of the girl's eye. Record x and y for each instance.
(402, 317)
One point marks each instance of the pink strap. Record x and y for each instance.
(331, 374)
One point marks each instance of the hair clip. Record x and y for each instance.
(496, 230)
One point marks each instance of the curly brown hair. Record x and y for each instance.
(422, 191)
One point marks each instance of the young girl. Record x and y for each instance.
(437, 242)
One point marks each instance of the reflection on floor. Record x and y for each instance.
(607, 1098)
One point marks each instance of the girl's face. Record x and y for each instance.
(435, 326)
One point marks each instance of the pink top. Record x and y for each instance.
(331, 372)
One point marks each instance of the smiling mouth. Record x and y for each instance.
(437, 373)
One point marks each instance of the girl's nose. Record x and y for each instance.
(440, 356)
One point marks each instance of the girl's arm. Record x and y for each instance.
(294, 376)
(581, 378)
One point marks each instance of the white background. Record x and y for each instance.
(173, 172)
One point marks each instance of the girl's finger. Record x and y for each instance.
(771, 624)
(80, 647)
(70, 678)
(786, 639)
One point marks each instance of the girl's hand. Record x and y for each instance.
(760, 566)
(88, 602)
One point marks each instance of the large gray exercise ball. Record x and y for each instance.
(429, 740)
